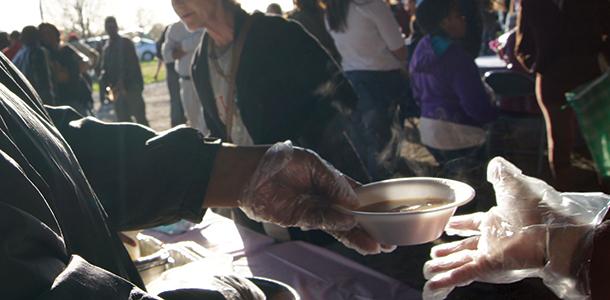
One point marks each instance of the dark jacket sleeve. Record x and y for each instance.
(142, 178)
(131, 76)
(34, 263)
(469, 87)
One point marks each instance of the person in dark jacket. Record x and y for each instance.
(310, 14)
(561, 41)
(69, 184)
(121, 73)
(66, 66)
(285, 85)
(445, 79)
(33, 61)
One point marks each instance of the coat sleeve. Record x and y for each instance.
(468, 86)
(169, 45)
(34, 262)
(131, 72)
(35, 265)
(142, 178)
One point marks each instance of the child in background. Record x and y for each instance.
(445, 79)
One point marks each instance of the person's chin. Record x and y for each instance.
(191, 26)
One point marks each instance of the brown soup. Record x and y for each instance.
(411, 205)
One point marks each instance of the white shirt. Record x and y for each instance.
(220, 87)
(177, 35)
(445, 135)
(371, 34)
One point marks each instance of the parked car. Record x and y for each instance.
(145, 48)
(96, 42)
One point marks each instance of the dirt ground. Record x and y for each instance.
(156, 98)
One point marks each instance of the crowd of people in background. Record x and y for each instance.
(398, 57)
(404, 60)
(343, 78)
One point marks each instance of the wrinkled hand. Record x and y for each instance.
(534, 231)
(294, 187)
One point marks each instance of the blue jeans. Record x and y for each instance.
(376, 117)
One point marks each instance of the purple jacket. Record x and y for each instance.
(446, 82)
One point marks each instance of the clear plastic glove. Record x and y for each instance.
(534, 231)
(294, 187)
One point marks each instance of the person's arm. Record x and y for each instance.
(534, 231)
(468, 86)
(35, 265)
(232, 170)
(525, 46)
(169, 45)
(159, 66)
(33, 257)
(143, 178)
(381, 14)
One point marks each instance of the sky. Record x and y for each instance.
(15, 14)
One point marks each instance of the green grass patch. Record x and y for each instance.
(148, 72)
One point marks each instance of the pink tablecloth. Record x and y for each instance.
(314, 272)
(221, 235)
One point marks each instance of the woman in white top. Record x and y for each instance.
(373, 54)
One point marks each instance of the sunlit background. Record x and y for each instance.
(132, 15)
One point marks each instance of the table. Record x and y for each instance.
(316, 273)
(490, 63)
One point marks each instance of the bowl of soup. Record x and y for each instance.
(409, 211)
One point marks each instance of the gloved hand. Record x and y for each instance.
(294, 187)
(534, 231)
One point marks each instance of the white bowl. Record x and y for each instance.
(414, 227)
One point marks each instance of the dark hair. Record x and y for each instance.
(30, 35)
(110, 19)
(15, 35)
(274, 8)
(308, 5)
(43, 28)
(336, 14)
(430, 14)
